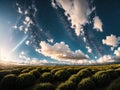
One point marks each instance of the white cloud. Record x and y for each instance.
(53, 4)
(89, 49)
(83, 62)
(102, 60)
(27, 42)
(111, 41)
(23, 56)
(21, 28)
(15, 27)
(77, 11)
(26, 12)
(96, 57)
(19, 10)
(27, 22)
(60, 51)
(98, 24)
(25, 60)
(35, 61)
(117, 52)
(24, 22)
(50, 40)
(105, 59)
(84, 39)
(112, 48)
(27, 19)
(26, 29)
(22, 53)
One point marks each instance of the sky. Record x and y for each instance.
(50, 32)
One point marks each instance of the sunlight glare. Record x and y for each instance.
(5, 56)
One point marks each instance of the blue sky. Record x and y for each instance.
(58, 31)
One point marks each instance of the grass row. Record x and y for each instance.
(61, 78)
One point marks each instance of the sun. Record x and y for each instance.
(4, 54)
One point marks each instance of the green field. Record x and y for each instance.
(104, 77)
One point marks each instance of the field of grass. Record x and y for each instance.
(104, 77)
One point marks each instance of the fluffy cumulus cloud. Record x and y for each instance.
(105, 59)
(23, 56)
(110, 58)
(83, 62)
(111, 40)
(35, 61)
(117, 52)
(77, 11)
(102, 60)
(98, 24)
(26, 60)
(60, 51)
